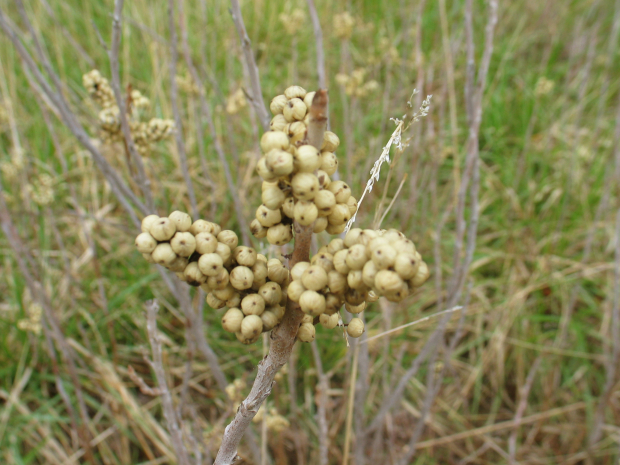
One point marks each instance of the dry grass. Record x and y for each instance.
(533, 378)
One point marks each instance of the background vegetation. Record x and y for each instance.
(538, 341)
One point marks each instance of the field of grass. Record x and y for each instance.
(527, 373)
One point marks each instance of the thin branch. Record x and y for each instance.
(523, 394)
(321, 403)
(176, 435)
(256, 97)
(143, 182)
(144, 388)
(318, 38)
(174, 96)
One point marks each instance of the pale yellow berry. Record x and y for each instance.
(335, 229)
(183, 244)
(181, 276)
(305, 186)
(234, 301)
(245, 256)
(200, 226)
(354, 279)
(288, 207)
(280, 234)
(323, 178)
(214, 302)
(163, 229)
(270, 320)
(341, 190)
(314, 278)
(352, 204)
(323, 259)
(308, 99)
(329, 162)
(219, 281)
(225, 294)
(231, 321)
(355, 309)
(241, 278)
(320, 224)
(178, 264)
(339, 216)
(268, 217)
(357, 257)
(257, 229)
(296, 132)
(336, 282)
(421, 275)
(298, 270)
(305, 212)
(181, 220)
(251, 326)
(253, 304)
(294, 290)
(147, 222)
(229, 238)
(277, 104)
(388, 281)
(274, 140)
(329, 321)
(148, 257)
(366, 236)
(264, 171)
(306, 332)
(340, 261)
(145, 243)
(397, 295)
(335, 245)
(271, 293)
(295, 92)
(312, 303)
(372, 296)
(369, 272)
(205, 243)
(355, 328)
(384, 256)
(276, 271)
(163, 254)
(279, 162)
(307, 159)
(224, 251)
(210, 264)
(406, 265)
(259, 269)
(273, 197)
(330, 142)
(246, 340)
(278, 123)
(307, 319)
(261, 258)
(277, 310)
(352, 237)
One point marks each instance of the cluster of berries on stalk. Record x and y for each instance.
(203, 254)
(296, 175)
(360, 268)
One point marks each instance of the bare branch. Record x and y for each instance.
(176, 435)
(318, 37)
(143, 181)
(321, 403)
(174, 96)
(256, 96)
(318, 118)
(144, 388)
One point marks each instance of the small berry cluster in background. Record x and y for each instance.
(296, 176)
(144, 133)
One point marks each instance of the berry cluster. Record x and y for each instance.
(234, 276)
(366, 265)
(144, 133)
(296, 175)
